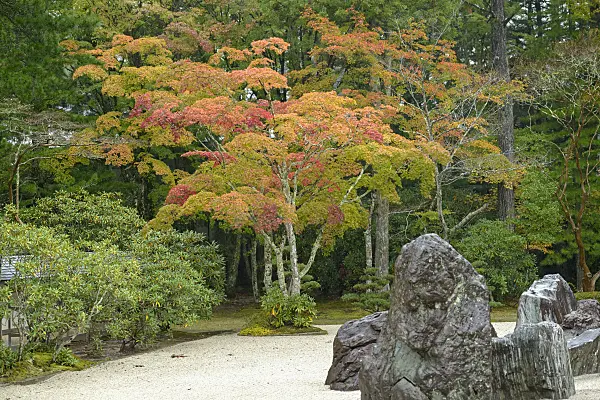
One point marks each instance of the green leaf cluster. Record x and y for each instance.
(500, 255)
(281, 310)
(133, 293)
(370, 294)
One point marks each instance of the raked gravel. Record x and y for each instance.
(224, 367)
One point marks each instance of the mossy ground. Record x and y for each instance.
(39, 365)
(239, 316)
(259, 330)
(504, 314)
(235, 316)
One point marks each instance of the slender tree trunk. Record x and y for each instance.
(295, 278)
(254, 268)
(369, 237)
(439, 204)
(506, 137)
(280, 267)
(594, 279)
(233, 265)
(268, 273)
(382, 235)
(579, 274)
(18, 193)
(278, 249)
(585, 270)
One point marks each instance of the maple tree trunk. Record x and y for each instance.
(268, 273)
(594, 279)
(232, 270)
(254, 269)
(278, 261)
(579, 274)
(369, 238)
(295, 278)
(439, 202)
(281, 272)
(382, 236)
(506, 137)
(586, 281)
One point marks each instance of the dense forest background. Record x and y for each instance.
(496, 103)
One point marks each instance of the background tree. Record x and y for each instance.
(34, 139)
(444, 102)
(567, 89)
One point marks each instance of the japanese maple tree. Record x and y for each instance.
(275, 167)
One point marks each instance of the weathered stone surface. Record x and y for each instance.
(582, 329)
(353, 341)
(586, 316)
(436, 344)
(532, 363)
(585, 352)
(547, 299)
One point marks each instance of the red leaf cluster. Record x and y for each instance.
(179, 194)
(335, 215)
(267, 218)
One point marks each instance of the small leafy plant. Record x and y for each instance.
(280, 310)
(8, 359)
(65, 357)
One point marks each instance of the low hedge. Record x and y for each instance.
(587, 295)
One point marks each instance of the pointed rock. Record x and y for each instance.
(436, 343)
(532, 363)
(547, 299)
(353, 341)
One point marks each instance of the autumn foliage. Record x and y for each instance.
(279, 162)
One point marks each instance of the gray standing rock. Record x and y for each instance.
(532, 363)
(586, 316)
(582, 328)
(547, 299)
(437, 342)
(585, 352)
(353, 341)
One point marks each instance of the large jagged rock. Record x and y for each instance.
(547, 299)
(586, 316)
(353, 341)
(584, 351)
(437, 342)
(582, 329)
(551, 299)
(532, 363)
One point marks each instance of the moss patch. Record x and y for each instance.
(504, 314)
(40, 365)
(337, 312)
(258, 330)
(587, 296)
(225, 318)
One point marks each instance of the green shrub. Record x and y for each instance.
(308, 284)
(500, 255)
(171, 289)
(86, 218)
(65, 357)
(8, 359)
(135, 294)
(280, 310)
(587, 296)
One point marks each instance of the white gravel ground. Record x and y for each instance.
(224, 367)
